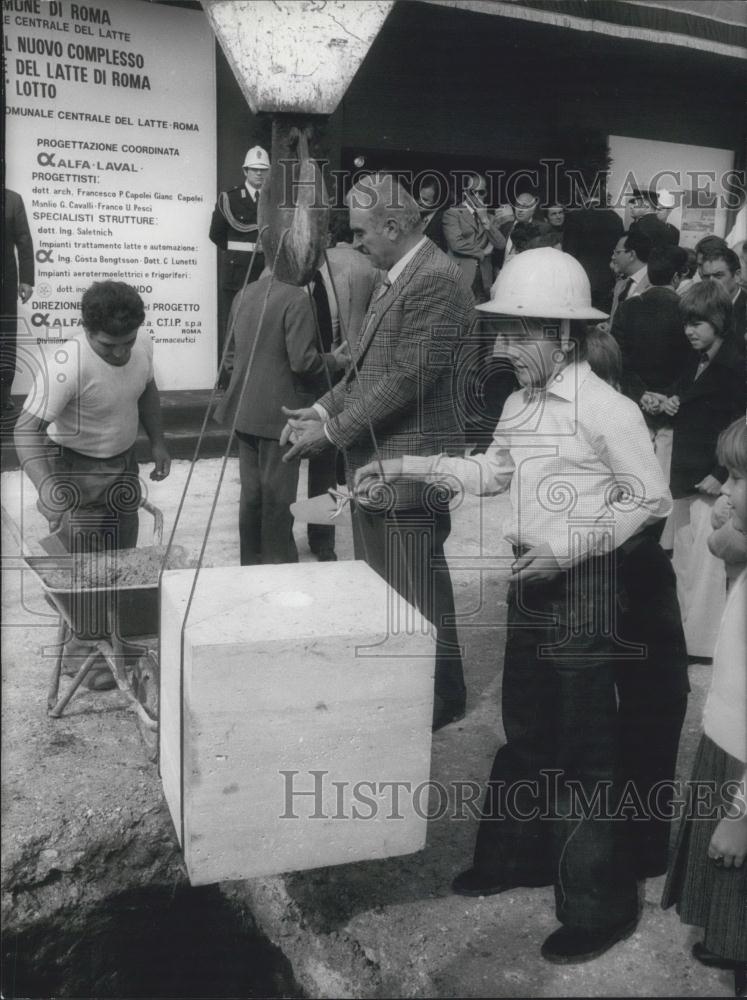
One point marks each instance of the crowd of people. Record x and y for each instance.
(618, 359)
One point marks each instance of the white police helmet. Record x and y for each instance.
(257, 159)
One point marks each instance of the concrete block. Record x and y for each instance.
(296, 705)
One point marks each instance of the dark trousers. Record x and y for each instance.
(322, 476)
(99, 500)
(562, 748)
(652, 693)
(268, 488)
(406, 548)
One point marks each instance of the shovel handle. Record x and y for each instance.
(157, 514)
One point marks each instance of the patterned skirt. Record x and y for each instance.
(706, 895)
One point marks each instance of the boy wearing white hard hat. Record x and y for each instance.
(234, 230)
(587, 492)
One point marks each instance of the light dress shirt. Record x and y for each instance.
(640, 275)
(577, 460)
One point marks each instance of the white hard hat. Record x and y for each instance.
(545, 283)
(257, 159)
(664, 198)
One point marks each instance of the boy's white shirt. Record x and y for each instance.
(563, 452)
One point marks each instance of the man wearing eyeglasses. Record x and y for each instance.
(472, 233)
(630, 259)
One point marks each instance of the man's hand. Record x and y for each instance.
(54, 517)
(25, 291)
(56, 495)
(305, 431)
(504, 213)
(162, 461)
(297, 421)
(728, 846)
(670, 405)
(710, 486)
(309, 442)
(537, 564)
(342, 356)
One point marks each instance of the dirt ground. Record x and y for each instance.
(87, 837)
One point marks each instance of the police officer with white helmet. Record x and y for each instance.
(235, 231)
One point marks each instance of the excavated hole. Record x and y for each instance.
(146, 943)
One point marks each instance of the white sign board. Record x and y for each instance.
(700, 178)
(110, 141)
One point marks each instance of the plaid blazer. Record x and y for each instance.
(403, 384)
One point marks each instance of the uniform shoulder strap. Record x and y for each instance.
(224, 205)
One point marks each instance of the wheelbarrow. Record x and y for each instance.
(119, 623)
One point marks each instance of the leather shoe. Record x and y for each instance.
(446, 712)
(326, 555)
(711, 959)
(573, 945)
(446, 717)
(473, 882)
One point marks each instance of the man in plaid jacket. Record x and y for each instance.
(398, 397)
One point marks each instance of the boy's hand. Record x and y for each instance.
(162, 461)
(650, 402)
(537, 564)
(369, 476)
(728, 846)
(710, 486)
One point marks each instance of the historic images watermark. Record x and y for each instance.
(317, 795)
(551, 180)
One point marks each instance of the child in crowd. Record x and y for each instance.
(604, 356)
(705, 399)
(727, 542)
(586, 492)
(708, 877)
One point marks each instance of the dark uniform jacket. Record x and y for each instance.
(660, 233)
(234, 221)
